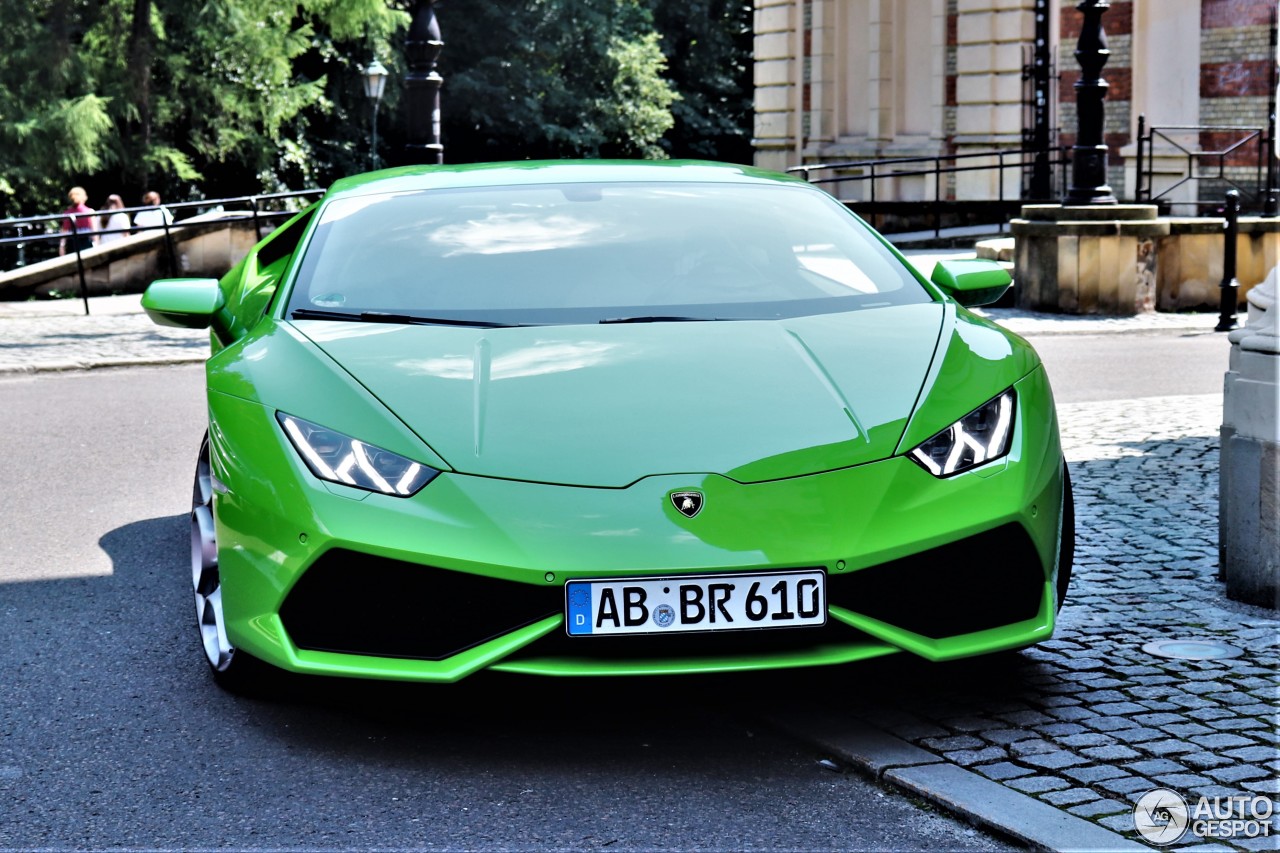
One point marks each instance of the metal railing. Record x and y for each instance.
(46, 230)
(1207, 165)
(870, 172)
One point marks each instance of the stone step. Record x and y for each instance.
(998, 249)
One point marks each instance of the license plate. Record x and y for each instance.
(696, 603)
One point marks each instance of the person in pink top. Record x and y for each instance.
(84, 231)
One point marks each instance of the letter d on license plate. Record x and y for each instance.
(696, 603)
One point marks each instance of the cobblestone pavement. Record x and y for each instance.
(1088, 721)
(56, 335)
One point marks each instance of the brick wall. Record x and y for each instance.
(1235, 80)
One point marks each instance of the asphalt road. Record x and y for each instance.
(112, 735)
(1115, 366)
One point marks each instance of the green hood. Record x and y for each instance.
(608, 405)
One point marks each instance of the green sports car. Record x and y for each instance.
(608, 418)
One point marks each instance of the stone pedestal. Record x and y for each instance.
(1249, 512)
(1087, 259)
(1120, 259)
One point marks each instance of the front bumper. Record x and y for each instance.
(469, 573)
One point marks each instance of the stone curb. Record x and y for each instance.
(961, 792)
(66, 366)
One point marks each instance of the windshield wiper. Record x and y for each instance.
(386, 317)
(659, 318)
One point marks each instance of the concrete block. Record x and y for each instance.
(772, 19)
(972, 120)
(1250, 527)
(974, 89)
(1189, 271)
(773, 98)
(1025, 818)
(773, 72)
(1013, 26)
(1088, 274)
(1250, 402)
(973, 29)
(773, 46)
(974, 59)
(1006, 88)
(1006, 119)
(775, 126)
(866, 747)
(1108, 267)
(1007, 57)
(1068, 278)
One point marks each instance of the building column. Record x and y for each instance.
(776, 92)
(990, 38)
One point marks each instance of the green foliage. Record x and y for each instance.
(52, 121)
(642, 98)
(202, 98)
(708, 46)
(553, 78)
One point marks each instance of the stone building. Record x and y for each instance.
(849, 80)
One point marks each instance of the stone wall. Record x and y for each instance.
(1122, 259)
(205, 246)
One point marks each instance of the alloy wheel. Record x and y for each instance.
(205, 578)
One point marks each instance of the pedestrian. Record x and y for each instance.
(82, 227)
(115, 226)
(156, 217)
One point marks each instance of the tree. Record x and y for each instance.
(708, 47)
(208, 98)
(53, 123)
(127, 95)
(532, 79)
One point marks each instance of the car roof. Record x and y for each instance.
(534, 172)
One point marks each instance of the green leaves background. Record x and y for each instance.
(209, 98)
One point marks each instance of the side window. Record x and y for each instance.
(262, 273)
(282, 244)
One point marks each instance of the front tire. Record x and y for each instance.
(233, 670)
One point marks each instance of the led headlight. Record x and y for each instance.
(339, 458)
(978, 437)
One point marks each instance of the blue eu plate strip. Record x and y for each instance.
(579, 609)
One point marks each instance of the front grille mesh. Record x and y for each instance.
(985, 581)
(356, 603)
(359, 604)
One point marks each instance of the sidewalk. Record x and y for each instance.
(56, 335)
(49, 335)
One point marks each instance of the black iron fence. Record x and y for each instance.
(860, 184)
(1209, 158)
(31, 239)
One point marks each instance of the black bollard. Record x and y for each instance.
(1230, 284)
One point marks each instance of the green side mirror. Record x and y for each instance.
(188, 303)
(971, 282)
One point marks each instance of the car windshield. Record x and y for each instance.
(595, 253)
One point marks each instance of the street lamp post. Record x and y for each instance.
(1089, 155)
(422, 86)
(375, 81)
